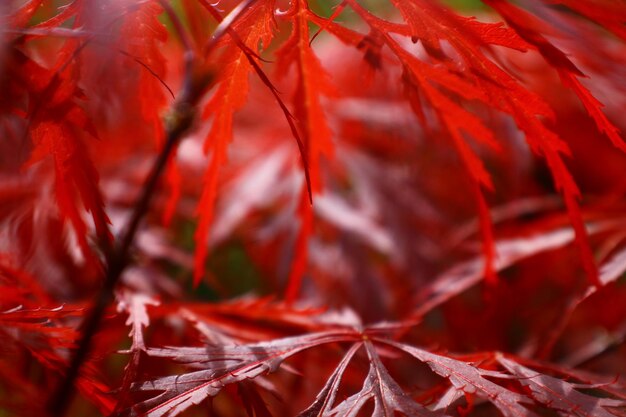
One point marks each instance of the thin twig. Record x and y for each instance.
(150, 70)
(291, 120)
(117, 261)
(181, 119)
(225, 25)
(189, 56)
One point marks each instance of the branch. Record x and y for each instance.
(182, 116)
(176, 125)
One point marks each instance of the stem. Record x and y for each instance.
(117, 258)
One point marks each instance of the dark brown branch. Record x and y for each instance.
(180, 120)
(116, 262)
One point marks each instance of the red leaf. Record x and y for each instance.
(558, 394)
(219, 366)
(530, 28)
(145, 36)
(253, 28)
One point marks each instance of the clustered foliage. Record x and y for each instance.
(312, 208)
